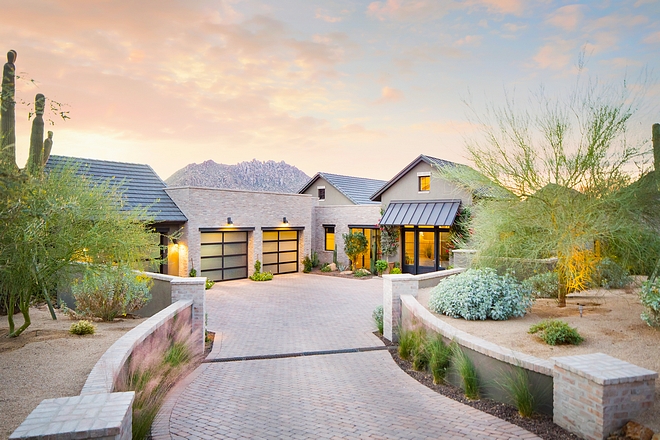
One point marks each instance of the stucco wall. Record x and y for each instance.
(210, 207)
(341, 217)
(407, 188)
(332, 194)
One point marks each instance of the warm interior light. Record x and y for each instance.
(229, 222)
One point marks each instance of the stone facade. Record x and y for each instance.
(596, 394)
(210, 207)
(341, 217)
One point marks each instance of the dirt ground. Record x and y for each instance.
(46, 361)
(610, 324)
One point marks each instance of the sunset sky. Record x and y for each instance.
(341, 86)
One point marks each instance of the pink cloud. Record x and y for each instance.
(514, 7)
(555, 55)
(653, 38)
(469, 40)
(390, 95)
(410, 9)
(567, 17)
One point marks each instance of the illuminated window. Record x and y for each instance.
(321, 190)
(424, 183)
(329, 238)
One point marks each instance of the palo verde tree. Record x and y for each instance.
(567, 164)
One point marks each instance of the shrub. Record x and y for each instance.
(258, 275)
(209, 284)
(466, 369)
(192, 273)
(307, 264)
(395, 271)
(381, 266)
(610, 275)
(82, 327)
(410, 342)
(326, 268)
(516, 385)
(110, 292)
(543, 285)
(556, 332)
(315, 259)
(649, 296)
(480, 294)
(361, 273)
(378, 318)
(439, 358)
(355, 244)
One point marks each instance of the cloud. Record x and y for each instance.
(653, 38)
(567, 17)
(413, 10)
(324, 15)
(390, 95)
(469, 40)
(515, 7)
(555, 55)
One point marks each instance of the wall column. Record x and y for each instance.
(393, 287)
(195, 290)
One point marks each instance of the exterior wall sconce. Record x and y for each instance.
(284, 220)
(175, 241)
(229, 222)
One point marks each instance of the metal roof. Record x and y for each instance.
(431, 213)
(140, 184)
(356, 189)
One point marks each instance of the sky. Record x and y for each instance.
(342, 86)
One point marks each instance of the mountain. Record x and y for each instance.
(254, 175)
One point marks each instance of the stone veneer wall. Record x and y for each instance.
(210, 207)
(341, 216)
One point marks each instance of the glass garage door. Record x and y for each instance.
(280, 252)
(224, 255)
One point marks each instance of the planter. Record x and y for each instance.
(390, 266)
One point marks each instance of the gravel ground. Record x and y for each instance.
(46, 361)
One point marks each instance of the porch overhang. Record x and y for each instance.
(421, 213)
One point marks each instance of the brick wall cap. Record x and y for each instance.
(604, 369)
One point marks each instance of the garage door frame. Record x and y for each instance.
(278, 263)
(223, 255)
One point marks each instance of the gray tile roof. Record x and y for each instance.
(141, 185)
(431, 213)
(356, 189)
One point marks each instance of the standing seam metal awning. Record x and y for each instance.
(432, 213)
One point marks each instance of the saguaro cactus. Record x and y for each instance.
(48, 146)
(7, 113)
(35, 159)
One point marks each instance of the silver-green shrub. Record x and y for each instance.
(479, 294)
(543, 285)
(650, 298)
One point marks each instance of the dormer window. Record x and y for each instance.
(424, 182)
(321, 192)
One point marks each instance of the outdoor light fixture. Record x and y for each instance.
(229, 222)
(581, 308)
(175, 241)
(284, 220)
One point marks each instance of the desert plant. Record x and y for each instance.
(468, 372)
(556, 332)
(480, 294)
(258, 275)
(378, 318)
(516, 384)
(192, 273)
(543, 285)
(439, 357)
(315, 259)
(361, 273)
(410, 342)
(381, 266)
(109, 292)
(307, 264)
(209, 283)
(355, 244)
(82, 327)
(650, 298)
(326, 268)
(395, 271)
(610, 275)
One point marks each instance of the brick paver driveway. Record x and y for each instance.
(359, 394)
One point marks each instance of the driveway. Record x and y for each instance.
(256, 385)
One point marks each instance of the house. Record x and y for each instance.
(344, 205)
(142, 188)
(423, 206)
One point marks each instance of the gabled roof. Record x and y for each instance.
(140, 184)
(433, 161)
(356, 189)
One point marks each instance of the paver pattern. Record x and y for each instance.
(348, 395)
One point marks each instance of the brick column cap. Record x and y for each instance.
(604, 369)
(189, 280)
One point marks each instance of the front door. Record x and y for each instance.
(424, 249)
(368, 259)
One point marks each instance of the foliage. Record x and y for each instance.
(460, 231)
(650, 298)
(565, 167)
(326, 268)
(315, 259)
(192, 273)
(610, 275)
(154, 367)
(258, 275)
(543, 285)
(208, 284)
(556, 332)
(468, 372)
(439, 357)
(516, 384)
(410, 342)
(355, 244)
(381, 266)
(361, 273)
(378, 318)
(53, 220)
(307, 264)
(395, 271)
(480, 294)
(82, 327)
(108, 292)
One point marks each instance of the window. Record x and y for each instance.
(321, 190)
(329, 238)
(424, 183)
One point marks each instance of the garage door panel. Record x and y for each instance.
(280, 251)
(288, 246)
(211, 263)
(211, 237)
(235, 249)
(270, 259)
(235, 237)
(211, 250)
(288, 257)
(270, 236)
(240, 260)
(272, 268)
(288, 235)
(224, 255)
(270, 246)
(235, 274)
(213, 275)
(288, 267)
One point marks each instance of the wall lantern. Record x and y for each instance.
(284, 220)
(229, 222)
(175, 241)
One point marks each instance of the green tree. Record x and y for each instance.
(50, 221)
(355, 244)
(566, 165)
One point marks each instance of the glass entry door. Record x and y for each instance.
(422, 249)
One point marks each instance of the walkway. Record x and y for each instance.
(343, 395)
